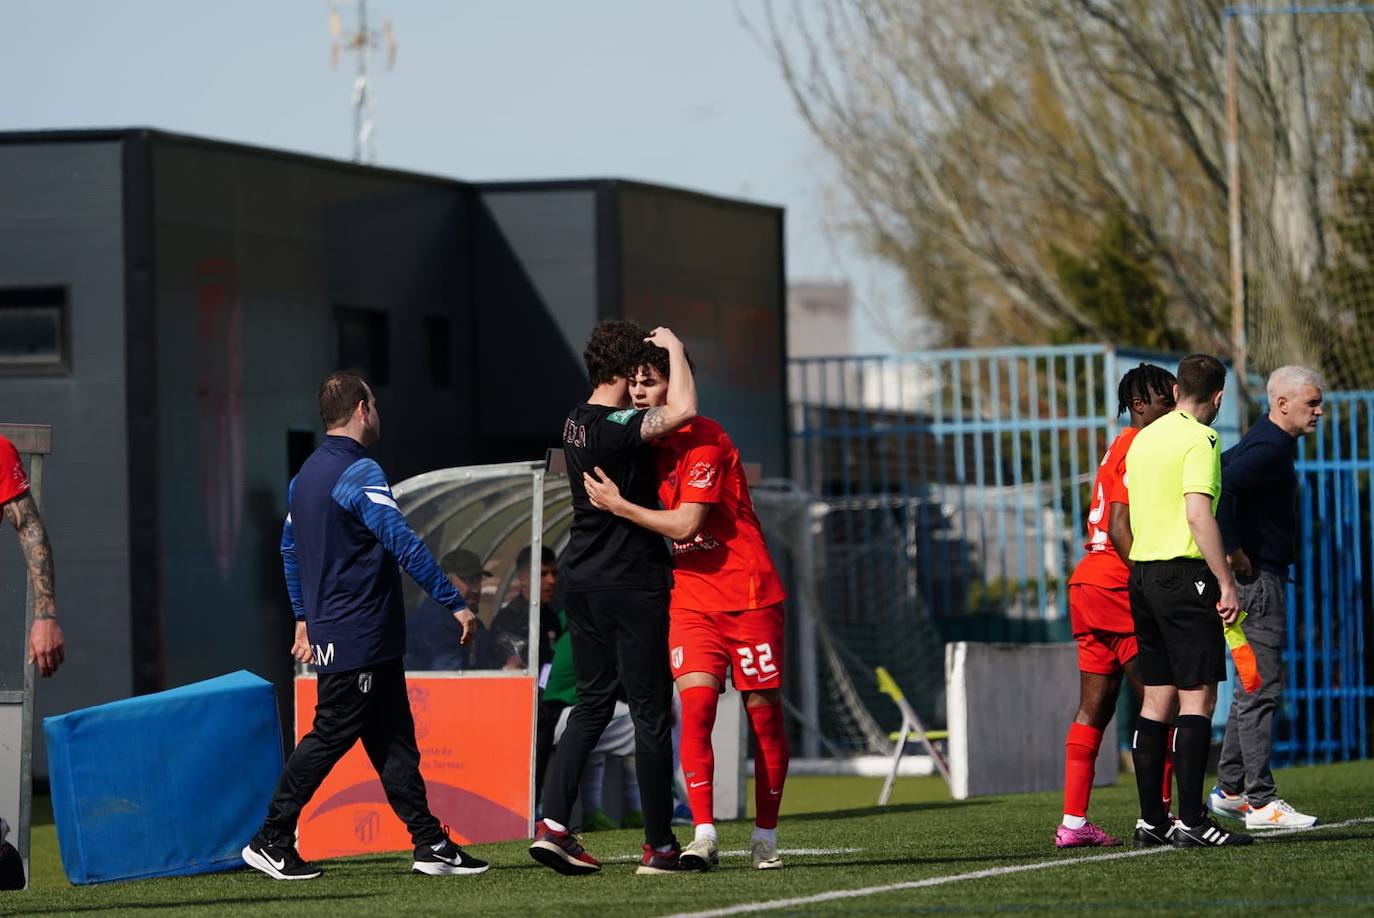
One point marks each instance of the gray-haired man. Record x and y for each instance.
(1259, 523)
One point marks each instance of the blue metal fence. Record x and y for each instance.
(956, 482)
(1326, 707)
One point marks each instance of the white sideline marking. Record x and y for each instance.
(794, 852)
(975, 875)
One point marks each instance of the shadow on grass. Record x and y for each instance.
(928, 807)
(187, 906)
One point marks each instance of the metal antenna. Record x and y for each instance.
(361, 41)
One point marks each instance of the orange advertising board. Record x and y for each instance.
(475, 737)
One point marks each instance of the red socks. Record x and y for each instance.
(1080, 763)
(770, 761)
(698, 760)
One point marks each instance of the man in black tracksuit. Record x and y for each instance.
(341, 544)
(616, 578)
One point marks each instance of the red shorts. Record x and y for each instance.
(749, 644)
(1104, 651)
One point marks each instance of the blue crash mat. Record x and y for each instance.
(164, 785)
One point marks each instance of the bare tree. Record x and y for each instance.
(975, 137)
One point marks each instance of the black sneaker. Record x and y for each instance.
(1207, 834)
(562, 851)
(1148, 836)
(280, 862)
(662, 862)
(445, 859)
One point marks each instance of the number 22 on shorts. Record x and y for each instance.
(764, 660)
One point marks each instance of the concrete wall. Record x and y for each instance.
(1010, 706)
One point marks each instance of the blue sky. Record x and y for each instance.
(673, 92)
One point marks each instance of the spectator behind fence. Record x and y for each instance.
(510, 629)
(433, 632)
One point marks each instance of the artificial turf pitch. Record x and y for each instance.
(922, 835)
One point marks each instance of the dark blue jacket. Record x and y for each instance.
(340, 546)
(1258, 510)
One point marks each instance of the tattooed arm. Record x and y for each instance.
(45, 638)
(681, 406)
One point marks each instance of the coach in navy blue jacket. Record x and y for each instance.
(1258, 516)
(343, 539)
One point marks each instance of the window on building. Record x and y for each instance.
(439, 341)
(365, 343)
(34, 333)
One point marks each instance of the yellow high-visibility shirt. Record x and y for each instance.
(1172, 457)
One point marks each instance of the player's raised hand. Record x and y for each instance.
(601, 491)
(300, 646)
(664, 338)
(468, 621)
(1229, 607)
(46, 647)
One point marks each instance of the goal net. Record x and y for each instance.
(1304, 95)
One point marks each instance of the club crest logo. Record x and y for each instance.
(365, 825)
(677, 657)
(364, 682)
(701, 475)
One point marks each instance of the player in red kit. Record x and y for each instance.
(1100, 608)
(725, 610)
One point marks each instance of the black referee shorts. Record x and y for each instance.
(1177, 628)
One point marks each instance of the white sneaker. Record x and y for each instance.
(1233, 806)
(764, 854)
(1277, 814)
(701, 854)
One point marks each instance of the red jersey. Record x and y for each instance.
(13, 481)
(726, 568)
(1102, 566)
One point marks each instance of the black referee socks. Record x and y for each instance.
(1192, 741)
(1148, 751)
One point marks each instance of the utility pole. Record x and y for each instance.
(361, 41)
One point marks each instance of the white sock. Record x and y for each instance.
(556, 826)
(768, 835)
(1075, 822)
(706, 830)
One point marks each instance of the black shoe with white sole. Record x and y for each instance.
(1207, 834)
(280, 862)
(446, 859)
(1148, 836)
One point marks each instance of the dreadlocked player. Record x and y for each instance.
(1100, 608)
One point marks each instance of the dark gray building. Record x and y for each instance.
(168, 305)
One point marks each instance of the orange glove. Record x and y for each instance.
(1242, 655)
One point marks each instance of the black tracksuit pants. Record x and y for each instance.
(368, 704)
(619, 639)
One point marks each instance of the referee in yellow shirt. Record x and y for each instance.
(1182, 591)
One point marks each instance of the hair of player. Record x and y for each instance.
(1200, 376)
(1139, 382)
(612, 350)
(651, 355)
(338, 395)
(1285, 379)
(522, 558)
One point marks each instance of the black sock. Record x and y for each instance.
(1192, 742)
(1147, 750)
